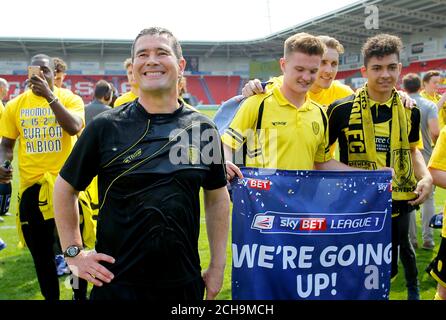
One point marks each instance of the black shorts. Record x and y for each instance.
(437, 268)
(401, 207)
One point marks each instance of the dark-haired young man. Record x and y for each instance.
(374, 131)
(437, 167)
(431, 81)
(149, 216)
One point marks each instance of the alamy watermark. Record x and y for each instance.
(372, 19)
(203, 147)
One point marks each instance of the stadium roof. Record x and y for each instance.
(401, 17)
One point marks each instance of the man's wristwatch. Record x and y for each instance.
(72, 251)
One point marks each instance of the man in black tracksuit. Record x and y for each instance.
(151, 156)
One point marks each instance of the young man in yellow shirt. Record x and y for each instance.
(45, 120)
(431, 81)
(325, 89)
(4, 88)
(437, 167)
(293, 133)
(133, 93)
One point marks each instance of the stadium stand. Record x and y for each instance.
(207, 89)
(195, 88)
(424, 66)
(416, 67)
(223, 67)
(222, 88)
(342, 75)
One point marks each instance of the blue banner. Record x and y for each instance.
(311, 235)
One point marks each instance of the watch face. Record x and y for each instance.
(72, 251)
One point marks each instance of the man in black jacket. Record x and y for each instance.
(151, 159)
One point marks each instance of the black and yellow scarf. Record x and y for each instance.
(362, 147)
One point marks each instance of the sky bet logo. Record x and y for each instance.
(266, 222)
(318, 223)
(257, 184)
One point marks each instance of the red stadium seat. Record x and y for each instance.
(195, 88)
(222, 87)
